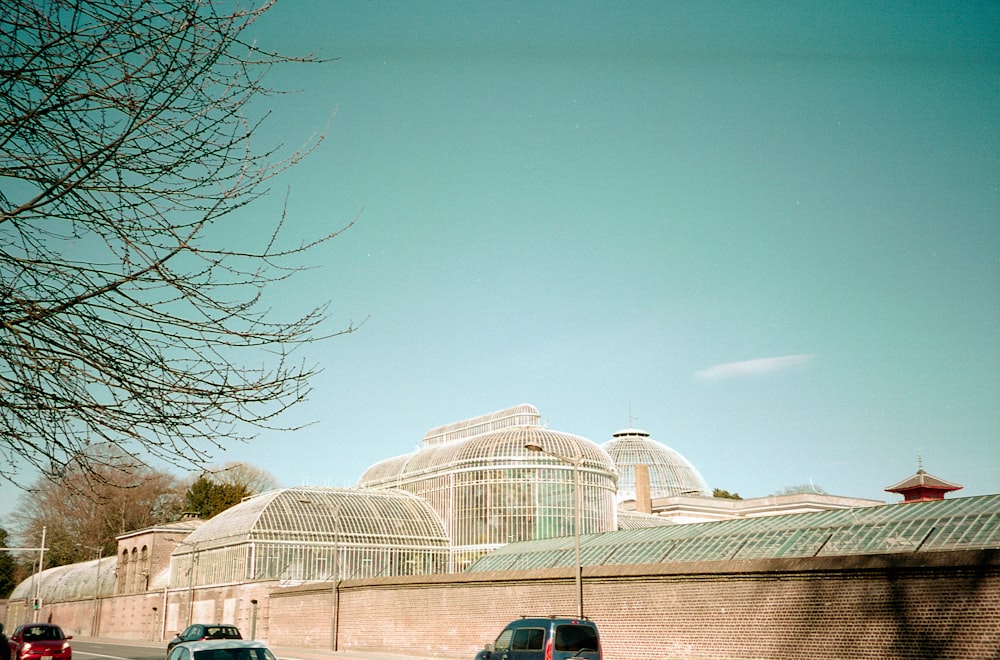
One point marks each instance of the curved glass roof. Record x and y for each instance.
(940, 525)
(524, 414)
(490, 449)
(488, 441)
(324, 515)
(640, 520)
(70, 582)
(669, 473)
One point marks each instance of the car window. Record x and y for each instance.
(576, 638)
(234, 654)
(527, 639)
(42, 633)
(178, 653)
(503, 641)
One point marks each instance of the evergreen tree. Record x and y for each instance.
(207, 498)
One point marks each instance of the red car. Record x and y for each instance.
(40, 641)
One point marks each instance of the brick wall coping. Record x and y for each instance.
(986, 560)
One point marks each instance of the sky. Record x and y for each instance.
(766, 233)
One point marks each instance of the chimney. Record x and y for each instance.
(642, 502)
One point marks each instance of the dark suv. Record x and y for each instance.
(545, 638)
(200, 631)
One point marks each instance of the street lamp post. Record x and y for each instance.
(575, 461)
(192, 566)
(335, 574)
(97, 585)
(41, 562)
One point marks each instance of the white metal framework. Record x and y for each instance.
(489, 490)
(970, 523)
(305, 534)
(70, 582)
(670, 473)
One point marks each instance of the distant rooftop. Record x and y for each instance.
(922, 486)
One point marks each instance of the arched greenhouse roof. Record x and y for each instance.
(322, 515)
(492, 449)
(970, 523)
(670, 473)
(70, 582)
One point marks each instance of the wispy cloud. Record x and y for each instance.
(756, 367)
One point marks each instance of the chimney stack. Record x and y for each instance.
(643, 504)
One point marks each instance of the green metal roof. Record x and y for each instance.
(953, 524)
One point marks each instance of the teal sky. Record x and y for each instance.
(770, 230)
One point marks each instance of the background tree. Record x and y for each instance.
(253, 479)
(8, 565)
(207, 498)
(801, 488)
(725, 494)
(85, 510)
(127, 314)
(223, 486)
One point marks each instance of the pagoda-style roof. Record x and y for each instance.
(922, 487)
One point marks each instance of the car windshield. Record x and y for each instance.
(234, 654)
(42, 633)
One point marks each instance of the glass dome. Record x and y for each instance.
(670, 473)
(490, 490)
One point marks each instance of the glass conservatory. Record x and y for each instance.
(490, 490)
(670, 473)
(934, 526)
(87, 579)
(303, 534)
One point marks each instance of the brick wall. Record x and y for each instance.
(945, 605)
(933, 605)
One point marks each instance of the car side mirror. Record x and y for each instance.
(488, 648)
(69, 636)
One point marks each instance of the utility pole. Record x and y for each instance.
(33, 575)
(37, 605)
(575, 461)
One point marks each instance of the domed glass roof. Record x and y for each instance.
(323, 515)
(488, 441)
(492, 449)
(669, 473)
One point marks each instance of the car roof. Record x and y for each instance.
(547, 620)
(208, 644)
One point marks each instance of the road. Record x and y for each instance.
(93, 648)
(97, 649)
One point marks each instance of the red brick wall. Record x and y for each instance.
(945, 605)
(898, 607)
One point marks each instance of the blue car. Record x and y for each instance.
(545, 638)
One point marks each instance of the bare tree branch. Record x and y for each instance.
(125, 141)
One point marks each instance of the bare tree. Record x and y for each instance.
(253, 479)
(128, 314)
(95, 501)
